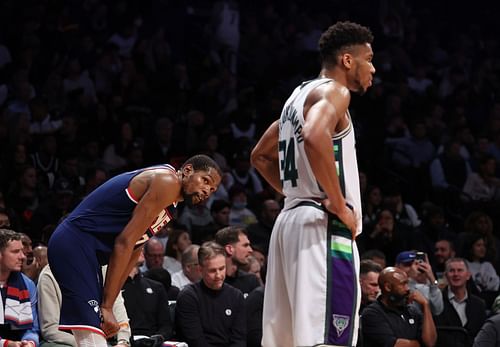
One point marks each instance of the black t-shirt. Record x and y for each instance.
(206, 317)
(147, 307)
(382, 326)
(254, 304)
(245, 282)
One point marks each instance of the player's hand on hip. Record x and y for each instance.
(346, 215)
(109, 324)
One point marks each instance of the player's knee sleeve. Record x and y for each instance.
(86, 338)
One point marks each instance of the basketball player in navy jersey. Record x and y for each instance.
(312, 295)
(110, 226)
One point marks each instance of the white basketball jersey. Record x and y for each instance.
(297, 178)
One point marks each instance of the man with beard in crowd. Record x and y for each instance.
(392, 321)
(237, 246)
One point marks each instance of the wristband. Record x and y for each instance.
(123, 342)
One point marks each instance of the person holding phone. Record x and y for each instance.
(421, 277)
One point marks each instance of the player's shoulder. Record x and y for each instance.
(165, 175)
(330, 91)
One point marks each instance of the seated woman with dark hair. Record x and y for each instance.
(388, 236)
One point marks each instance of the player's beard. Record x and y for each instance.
(188, 198)
(360, 90)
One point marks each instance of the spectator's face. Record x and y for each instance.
(27, 246)
(154, 255)
(479, 249)
(375, 196)
(183, 242)
(437, 220)
(241, 250)
(239, 201)
(410, 268)
(399, 288)
(222, 217)
(193, 269)
(443, 251)
(4, 221)
(261, 258)
(255, 269)
(212, 142)
(457, 274)
(12, 256)
(70, 167)
(386, 220)
(483, 225)
(213, 272)
(29, 178)
(369, 287)
(20, 154)
(271, 211)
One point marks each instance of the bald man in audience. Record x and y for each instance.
(392, 321)
(33, 267)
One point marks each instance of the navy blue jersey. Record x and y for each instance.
(85, 240)
(105, 212)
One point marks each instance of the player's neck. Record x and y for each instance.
(333, 74)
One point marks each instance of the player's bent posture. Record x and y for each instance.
(110, 226)
(311, 294)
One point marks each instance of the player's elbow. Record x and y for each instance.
(255, 156)
(123, 243)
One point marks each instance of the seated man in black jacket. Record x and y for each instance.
(146, 302)
(391, 320)
(211, 312)
(461, 308)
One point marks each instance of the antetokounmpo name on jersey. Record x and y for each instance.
(290, 115)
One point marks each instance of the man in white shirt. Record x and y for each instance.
(461, 309)
(190, 272)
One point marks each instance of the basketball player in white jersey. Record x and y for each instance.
(312, 290)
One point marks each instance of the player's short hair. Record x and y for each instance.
(7, 235)
(202, 162)
(341, 36)
(229, 235)
(209, 250)
(368, 265)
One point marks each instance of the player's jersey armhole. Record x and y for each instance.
(344, 131)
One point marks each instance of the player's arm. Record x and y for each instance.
(162, 191)
(321, 119)
(265, 156)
